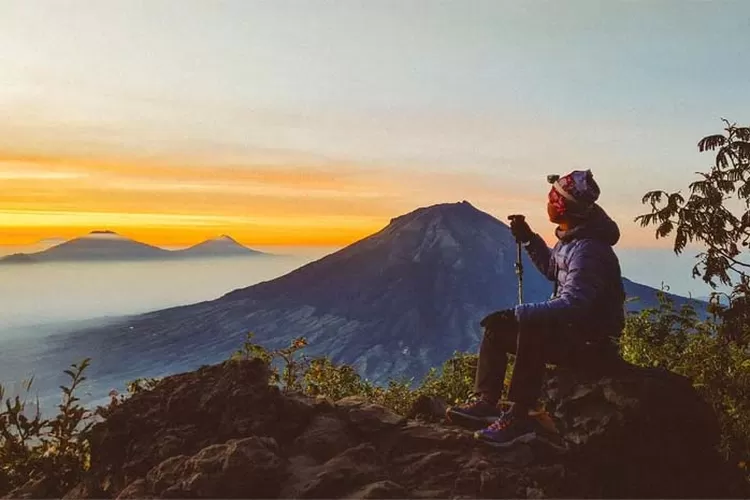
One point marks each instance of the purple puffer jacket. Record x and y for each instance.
(590, 295)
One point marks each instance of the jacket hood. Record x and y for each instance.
(598, 226)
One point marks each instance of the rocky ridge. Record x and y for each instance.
(222, 431)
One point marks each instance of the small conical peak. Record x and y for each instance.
(220, 245)
(225, 238)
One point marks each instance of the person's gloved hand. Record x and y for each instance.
(500, 320)
(521, 230)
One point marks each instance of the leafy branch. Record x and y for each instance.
(708, 217)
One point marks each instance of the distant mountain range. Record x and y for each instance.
(393, 304)
(110, 246)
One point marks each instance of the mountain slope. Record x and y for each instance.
(394, 304)
(427, 266)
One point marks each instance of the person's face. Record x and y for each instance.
(554, 215)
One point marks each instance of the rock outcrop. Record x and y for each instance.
(223, 432)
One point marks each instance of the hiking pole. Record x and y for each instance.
(519, 263)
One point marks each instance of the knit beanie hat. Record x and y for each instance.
(575, 193)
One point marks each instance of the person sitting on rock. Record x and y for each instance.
(575, 327)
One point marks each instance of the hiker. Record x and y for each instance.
(575, 327)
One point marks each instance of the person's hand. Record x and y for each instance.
(500, 320)
(521, 230)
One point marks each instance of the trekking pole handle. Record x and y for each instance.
(519, 272)
(519, 262)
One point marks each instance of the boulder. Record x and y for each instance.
(325, 437)
(245, 468)
(367, 417)
(642, 432)
(339, 476)
(428, 408)
(187, 413)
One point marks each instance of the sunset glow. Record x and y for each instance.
(181, 205)
(172, 204)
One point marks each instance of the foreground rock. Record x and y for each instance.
(223, 432)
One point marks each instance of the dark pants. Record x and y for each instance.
(533, 349)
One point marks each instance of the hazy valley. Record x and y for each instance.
(42, 304)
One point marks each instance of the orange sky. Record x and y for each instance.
(171, 204)
(166, 203)
(182, 204)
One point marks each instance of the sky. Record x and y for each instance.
(315, 122)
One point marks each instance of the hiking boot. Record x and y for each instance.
(475, 414)
(507, 430)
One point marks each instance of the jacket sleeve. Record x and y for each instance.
(541, 256)
(585, 280)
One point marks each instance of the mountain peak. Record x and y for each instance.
(223, 245)
(104, 234)
(444, 227)
(460, 209)
(225, 238)
(428, 275)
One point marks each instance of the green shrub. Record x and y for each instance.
(57, 448)
(715, 216)
(323, 378)
(33, 447)
(293, 363)
(454, 382)
(116, 399)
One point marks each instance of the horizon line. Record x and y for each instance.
(53, 240)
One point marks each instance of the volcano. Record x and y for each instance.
(222, 246)
(94, 246)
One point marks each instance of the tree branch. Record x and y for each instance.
(732, 259)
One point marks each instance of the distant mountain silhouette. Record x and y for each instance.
(17, 258)
(98, 245)
(393, 304)
(223, 246)
(110, 246)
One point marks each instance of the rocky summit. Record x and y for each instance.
(223, 432)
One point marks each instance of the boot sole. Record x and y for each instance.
(506, 444)
(543, 438)
(473, 423)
